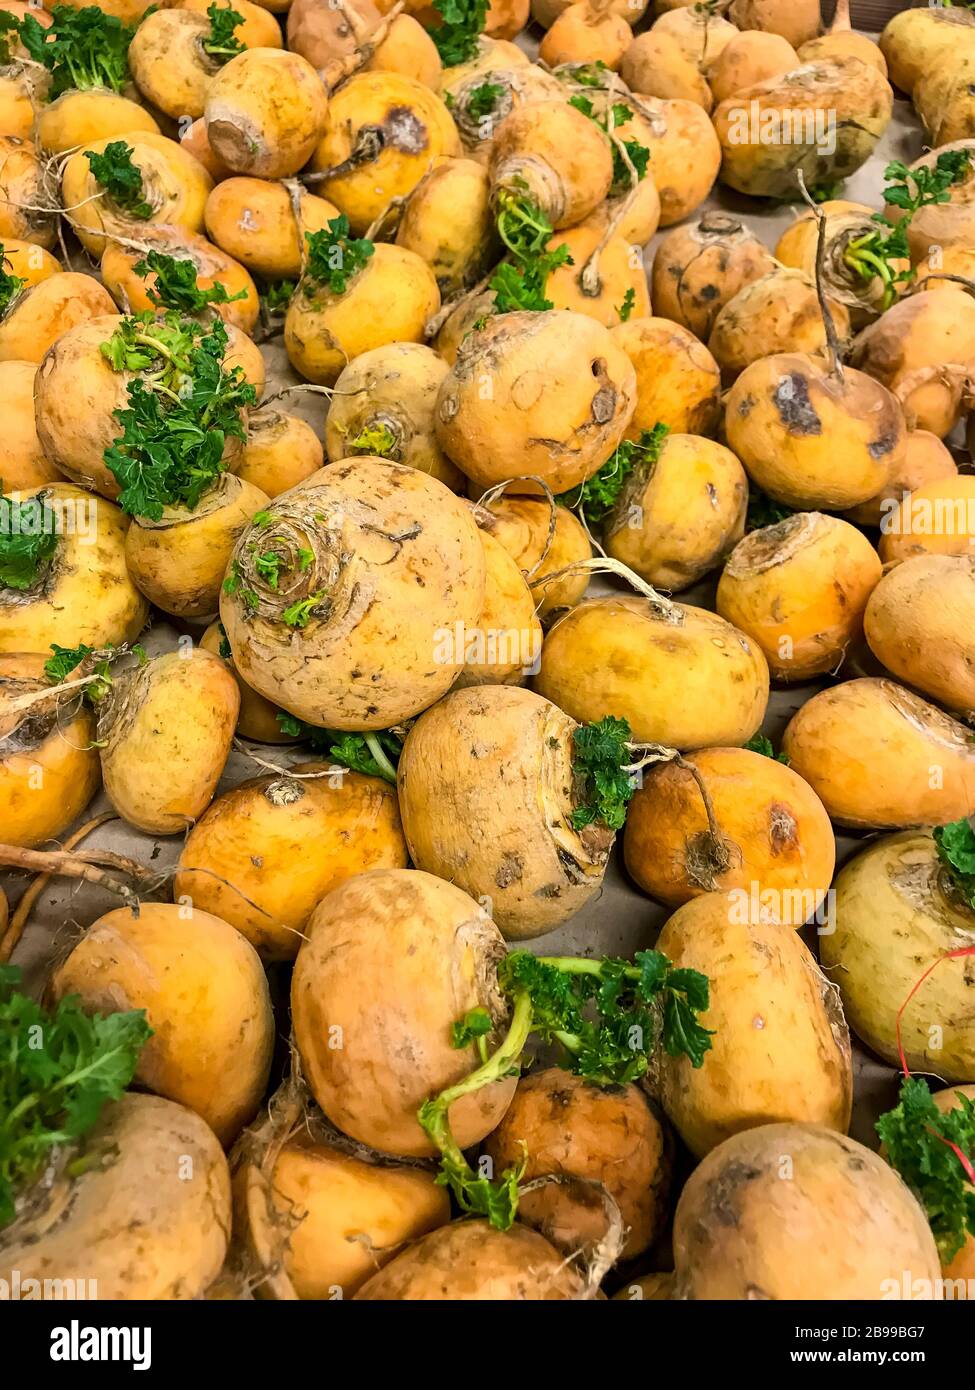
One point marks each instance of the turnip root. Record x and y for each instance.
(406, 948)
(881, 758)
(844, 1226)
(265, 113)
(702, 34)
(655, 65)
(132, 289)
(257, 717)
(171, 62)
(795, 20)
(481, 101)
(307, 833)
(537, 418)
(262, 227)
(22, 89)
(633, 215)
(919, 622)
(257, 28)
(606, 274)
(779, 313)
(925, 460)
(678, 382)
(848, 274)
(322, 32)
(79, 590)
(407, 49)
(554, 156)
(747, 59)
(23, 463)
(384, 404)
(347, 639)
(22, 194)
(936, 519)
(512, 751)
(522, 525)
(205, 996)
(770, 836)
(507, 18)
(447, 221)
(799, 589)
(280, 451)
(938, 225)
(471, 1261)
(781, 1046)
(653, 1287)
(699, 268)
(509, 636)
(785, 417)
(563, 1124)
(586, 32)
(916, 41)
(41, 314)
(81, 117)
(546, 12)
(165, 731)
(27, 262)
(134, 1222)
(684, 153)
(680, 676)
(48, 763)
(194, 139)
(841, 42)
(898, 912)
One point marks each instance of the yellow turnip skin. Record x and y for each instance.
(680, 675)
(394, 386)
(606, 273)
(556, 156)
(255, 222)
(167, 729)
(795, 20)
(561, 1123)
(943, 99)
(962, 1266)
(701, 36)
(259, 28)
(940, 225)
(522, 526)
(925, 460)
(844, 44)
(548, 394)
(780, 1048)
(684, 153)
(397, 559)
(447, 221)
(773, 829)
(586, 32)
(206, 999)
(842, 1227)
(776, 314)
(749, 58)
(655, 65)
(213, 266)
(936, 519)
(23, 463)
(136, 1225)
(916, 41)
(507, 18)
(657, 1288)
(509, 636)
(678, 382)
(634, 215)
(469, 1261)
(48, 765)
(381, 133)
(320, 31)
(919, 624)
(257, 717)
(799, 589)
(519, 85)
(22, 194)
(811, 438)
(265, 112)
(896, 914)
(43, 312)
(81, 117)
(22, 90)
(309, 832)
(27, 261)
(697, 269)
(86, 595)
(393, 958)
(678, 519)
(882, 758)
(194, 138)
(280, 451)
(501, 756)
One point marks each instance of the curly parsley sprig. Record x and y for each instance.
(460, 27)
(28, 540)
(375, 754)
(176, 285)
(598, 496)
(221, 43)
(334, 257)
(956, 850)
(121, 178)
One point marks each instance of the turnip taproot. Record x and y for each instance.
(678, 382)
(280, 451)
(265, 111)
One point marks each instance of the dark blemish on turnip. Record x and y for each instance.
(881, 446)
(796, 411)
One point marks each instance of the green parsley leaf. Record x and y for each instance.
(176, 285)
(334, 257)
(120, 178)
(10, 285)
(82, 49)
(221, 42)
(626, 308)
(481, 100)
(758, 743)
(599, 758)
(599, 495)
(956, 850)
(28, 540)
(461, 24)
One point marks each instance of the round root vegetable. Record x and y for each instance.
(471, 311)
(23, 463)
(780, 1047)
(882, 758)
(173, 190)
(680, 676)
(348, 637)
(269, 850)
(481, 101)
(557, 158)
(586, 32)
(23, 197)
(919, 622)
(563, 1124)
(39, 315)
(206, 999)
(799, 589)
(258, 27)
(392, 959)
(633, 215)
(81, 117)
(384, 403)
(262, 227)
(170, 62)
(491, 55)
(842, 1227)
(779, 313)
(678, 382)
(265, 112)
(165, 732)
(848, 278)
(321, 32)
(824, 119)
(507, 18)
(936, 519)
(131, 1218)
(48, 763)
(679, 515)
(280, 451)
(812, 436)
(381, 133)
(501, 755)
(407, 49)
(605, 273)
(20, 93)
(658, 1288)
(257, 718)
(27, 261)
(504, 647)
(702, 36)
(747, 59)
(73, 587)
(655, 65)
(925, 460)
(918, 40)
(840, 43)
(546, 394)
(765, 833)
(923, 350)
(132, 290)
(523, 527)
(471, 1261)
(194, 139)
(898, 911)
(699, 268)
(937, 226)
(179, 561)
(447, 221)
(795, 20)
(684, 153)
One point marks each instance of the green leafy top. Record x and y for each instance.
(28, 540)
(334, 257)
(221, 42)
(619, 114)
(67, 662)
(758, 743)
(176, 285)
(462, 23)
(586, 74)
(10, 285)
(377, 439)
(763, 511)
(482, 100)
(57, 1071)
(120, 178)
(930, 1149)
(604, 788)
(519, 283)
(81, 49)
(599, 495)
(626, 308)
(956, 850)
(276, 295)
(375, 754)
(9, 34)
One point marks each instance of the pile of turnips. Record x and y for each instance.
(489, 591)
